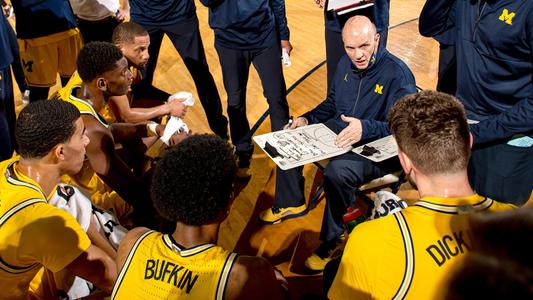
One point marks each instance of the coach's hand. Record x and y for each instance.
(351, 134)
(298, 122)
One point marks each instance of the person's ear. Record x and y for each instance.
(58, 151)
(406, 162)
(101, 84)
(376, 39)
(471, 140)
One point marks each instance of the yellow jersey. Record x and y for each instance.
(68, 94)
(408, 255)
(158, 268)
(33, 233)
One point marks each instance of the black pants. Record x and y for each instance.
(502, 172)
(7, 114)
(235, 70)
(342, 176)
(186, 39)
(101, 30)
(447, 82)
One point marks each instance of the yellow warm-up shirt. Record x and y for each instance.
(408, 255)
(158, 268)
(33, 233)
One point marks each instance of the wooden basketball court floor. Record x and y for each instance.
(287, 244)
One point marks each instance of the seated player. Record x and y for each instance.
(34, 234)
(408, 255)
(105, 73)
(192, 186)
(133, 40)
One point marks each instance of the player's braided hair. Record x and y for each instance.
(97, 58)
(126, 32)
(193, 182)
(42, 125)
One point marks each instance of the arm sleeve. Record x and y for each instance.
(55, 239)
(434, 17)
(517, 119)
(278, 7)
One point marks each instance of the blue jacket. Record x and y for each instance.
(494, 48)
(367, 95)
(6, 43)
(380, 16)
(42, 18)
(162, 12)
(247, 24)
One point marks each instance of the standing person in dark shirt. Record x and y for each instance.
(494, 48)
(254, 32)
(177, 19)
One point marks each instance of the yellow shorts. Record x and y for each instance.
(44, 57)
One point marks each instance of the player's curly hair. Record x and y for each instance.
(126, 32)
(193, 182)
(42, 125)
(96, 58)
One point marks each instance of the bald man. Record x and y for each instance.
(366, 85)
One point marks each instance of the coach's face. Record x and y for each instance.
(360, 42)
(136, 52)
(73, 151)
(118, 80)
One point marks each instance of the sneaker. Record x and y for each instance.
(326, 252)
(276, 215)
(243, 163)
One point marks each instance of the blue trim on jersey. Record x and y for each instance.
(127, 262)
(185, 252)
(409, 257)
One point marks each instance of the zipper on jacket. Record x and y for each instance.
(358, 95)
(476, 24)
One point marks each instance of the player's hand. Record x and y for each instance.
(351, 134)
(176, 108)
(298, 122)
(160, 129)
(320, 3)
(285, 44)
(177, 137)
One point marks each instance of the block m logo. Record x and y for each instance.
(378, 89)
(507, 17)
(28, 65)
